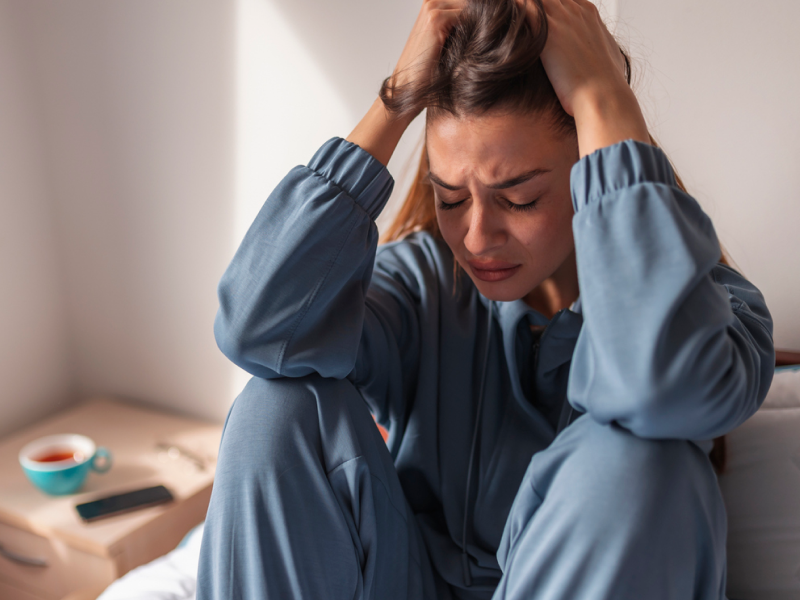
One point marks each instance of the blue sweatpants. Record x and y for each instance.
(307, 504)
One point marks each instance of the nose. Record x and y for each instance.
(486, 232)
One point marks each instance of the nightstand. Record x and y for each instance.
(149, 447)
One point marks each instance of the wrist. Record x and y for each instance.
(379, 132)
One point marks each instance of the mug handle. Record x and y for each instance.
(103, 454)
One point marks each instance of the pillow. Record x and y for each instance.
(761, 488)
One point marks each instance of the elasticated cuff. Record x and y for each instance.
(356, 172)
(615, 167)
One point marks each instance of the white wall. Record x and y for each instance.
(35, 375)
(136, 105)
(721, 84)
(139, 139)
(160, 128)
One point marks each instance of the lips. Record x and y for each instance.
(493, 270)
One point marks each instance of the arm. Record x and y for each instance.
(292, 299)
(298, 296)
(674, 345)
(305, 293)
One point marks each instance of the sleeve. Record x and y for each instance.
(297, 298)
(674, 344)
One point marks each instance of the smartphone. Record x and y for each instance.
(122, 503)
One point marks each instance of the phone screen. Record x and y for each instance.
(119, 503)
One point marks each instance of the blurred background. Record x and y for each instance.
(139, 138)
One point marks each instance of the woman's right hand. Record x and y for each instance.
(379, 132)
(424, 45)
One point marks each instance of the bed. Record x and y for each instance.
(761, 487)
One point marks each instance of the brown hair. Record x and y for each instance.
(489, 61)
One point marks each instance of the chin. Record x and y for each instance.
(501, 291)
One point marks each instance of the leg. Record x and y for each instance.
(602, 515)
(307, 503)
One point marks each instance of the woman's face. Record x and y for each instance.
(501, 183)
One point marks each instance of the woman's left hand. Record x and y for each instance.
(587, 71)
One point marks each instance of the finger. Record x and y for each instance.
(614, 48)
(449, 14)
(449, 4)
(556, 10)
(553, 4)
(549, 8)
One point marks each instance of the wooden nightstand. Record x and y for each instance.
(80, 555)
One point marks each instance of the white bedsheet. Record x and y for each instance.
(169, 577)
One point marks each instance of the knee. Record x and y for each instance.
(277, 424)
(618, 453)
(612, 504)
(272, 423)
(606, 463)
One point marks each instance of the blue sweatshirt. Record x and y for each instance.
(664, 340)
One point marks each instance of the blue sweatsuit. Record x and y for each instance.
(571, 464)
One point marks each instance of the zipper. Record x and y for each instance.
(567, 410)
(470, 469)
(464, 554)
(538, 343)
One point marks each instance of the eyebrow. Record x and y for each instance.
(495, 186)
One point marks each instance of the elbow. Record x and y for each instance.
(230, 340)
(699, 406)
(709, 391)
(237, 346)
(266, 356)
(666, 413)
(684, 416)
(695, 391)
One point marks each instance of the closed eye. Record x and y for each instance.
(521, 207)
(450, 205)
(511, 205)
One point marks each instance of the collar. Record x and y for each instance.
(556, 344)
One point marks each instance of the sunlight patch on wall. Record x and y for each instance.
(285, 110)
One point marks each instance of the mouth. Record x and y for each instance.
(493, 270)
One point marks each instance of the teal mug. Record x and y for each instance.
(59, 464)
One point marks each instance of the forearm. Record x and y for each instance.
(674, 345)
(378, 132)
(604, 117)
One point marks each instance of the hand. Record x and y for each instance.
(580, 56)
(379, 132)
(587, 71)
(424, 45)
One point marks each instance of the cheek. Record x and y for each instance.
(547, 233)
(452, 228)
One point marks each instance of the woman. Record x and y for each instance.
(549, 409)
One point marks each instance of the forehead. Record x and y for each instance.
(494, 146)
